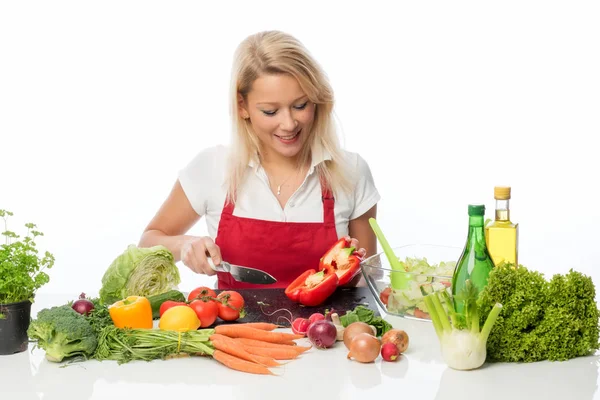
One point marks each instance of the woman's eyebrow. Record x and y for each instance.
(275, 103)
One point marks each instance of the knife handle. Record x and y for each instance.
(222, 267)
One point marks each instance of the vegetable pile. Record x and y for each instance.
(94, 333)
(541, 320)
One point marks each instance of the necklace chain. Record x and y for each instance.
(284, 181)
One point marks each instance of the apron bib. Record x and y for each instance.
(283, 249)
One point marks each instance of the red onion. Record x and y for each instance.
(322, 334)
(83, 306)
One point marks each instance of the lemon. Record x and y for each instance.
(179, 319)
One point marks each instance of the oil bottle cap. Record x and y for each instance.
(476, 209)
(502, 192)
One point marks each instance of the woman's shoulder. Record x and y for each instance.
(355, 162)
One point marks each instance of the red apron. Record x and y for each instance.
(283, 249)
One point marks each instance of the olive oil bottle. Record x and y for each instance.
(502, 235)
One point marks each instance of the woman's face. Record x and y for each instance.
(280, 114)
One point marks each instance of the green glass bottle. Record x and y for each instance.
(475, 262)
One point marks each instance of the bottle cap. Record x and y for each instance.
(476, 209)
(502, 192)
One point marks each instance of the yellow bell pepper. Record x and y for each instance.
(133, 312)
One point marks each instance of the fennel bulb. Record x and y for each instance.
(462, 344)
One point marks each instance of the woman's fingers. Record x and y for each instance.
(213, 251)
(194, 255)
(362, 252)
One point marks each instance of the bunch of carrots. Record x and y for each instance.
(249, 347)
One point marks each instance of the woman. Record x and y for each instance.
(284, 192)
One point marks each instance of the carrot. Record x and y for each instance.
(235, 331)
(264, 326)
(266, 361)
(239, 364)
(227, 345)
(277, 354)
(231, 347)
(258, 343)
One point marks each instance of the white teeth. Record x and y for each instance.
(289, 137)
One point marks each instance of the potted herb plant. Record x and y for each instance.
(21, 275)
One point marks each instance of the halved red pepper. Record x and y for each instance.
(312, 288)
(342, 260)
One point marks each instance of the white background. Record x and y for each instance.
(101, 103)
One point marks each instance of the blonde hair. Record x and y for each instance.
(274, 52)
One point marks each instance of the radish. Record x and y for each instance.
(390, 352)
(300, 326)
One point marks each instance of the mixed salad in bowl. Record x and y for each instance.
(423, 270)
(425, 279)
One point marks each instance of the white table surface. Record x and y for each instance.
(318, 374)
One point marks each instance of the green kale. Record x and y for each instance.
(540, 320)
(63, 333)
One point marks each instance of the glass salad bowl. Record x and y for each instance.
(424, 269)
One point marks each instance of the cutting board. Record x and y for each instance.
(259, 303)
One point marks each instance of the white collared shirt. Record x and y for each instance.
(202, 180)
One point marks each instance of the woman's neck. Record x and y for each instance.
(272, 162)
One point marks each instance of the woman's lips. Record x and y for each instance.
(289, 138)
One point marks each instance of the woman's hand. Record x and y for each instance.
(195, 251)
(360, 252)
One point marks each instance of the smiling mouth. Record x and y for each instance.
(289, 137)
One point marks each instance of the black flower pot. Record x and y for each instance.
(14, 322)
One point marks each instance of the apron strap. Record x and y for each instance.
(328, 205)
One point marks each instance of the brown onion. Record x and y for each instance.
(354, 329)
(397, 337)
(364, 348)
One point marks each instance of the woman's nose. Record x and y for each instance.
(288, 123)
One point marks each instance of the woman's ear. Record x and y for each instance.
(242, 108)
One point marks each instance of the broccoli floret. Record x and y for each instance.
(540, 320)
(63, 333)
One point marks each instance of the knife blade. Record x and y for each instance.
(243, 274)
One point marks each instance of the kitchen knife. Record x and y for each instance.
(243, 274)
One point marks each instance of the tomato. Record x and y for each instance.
(180, 319)
(201, 291)
(231, 305)
(385, 295)
(168, 304)
(421, 314)
(207, 311)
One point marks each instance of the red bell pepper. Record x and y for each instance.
(342, 260)
(312, 288)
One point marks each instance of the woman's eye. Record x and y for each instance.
(301, 106)
(269, 113)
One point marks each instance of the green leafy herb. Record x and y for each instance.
(364, 314)
(99, 317)
(21, 266)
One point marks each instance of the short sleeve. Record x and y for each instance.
(197, 178)
(365, 191)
